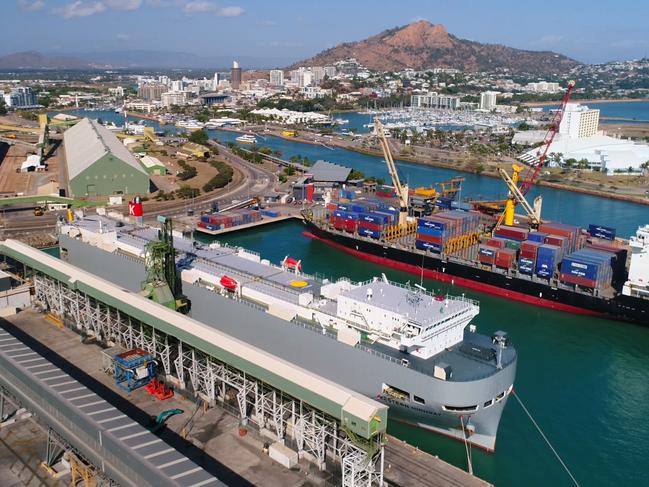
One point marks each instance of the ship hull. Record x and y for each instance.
(332, 359)
(537, 293)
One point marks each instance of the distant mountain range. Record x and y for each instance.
(423, 45)
(133, 59)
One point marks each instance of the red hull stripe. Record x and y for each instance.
(460, 281)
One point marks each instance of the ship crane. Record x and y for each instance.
(518, 192)
(401, 190)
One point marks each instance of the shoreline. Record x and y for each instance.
(487, 172)
(592, 100)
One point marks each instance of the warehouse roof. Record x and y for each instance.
(88, 141)
(328, 171)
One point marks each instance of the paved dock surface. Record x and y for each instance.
(407, 466)
(217, 432)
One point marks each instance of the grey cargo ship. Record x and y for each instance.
(412, 350)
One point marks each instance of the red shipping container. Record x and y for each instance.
(496, 242)
(511, 232)
(429, 238)
(505, 258)
(485, 259)
(530, 247)
(332, 206)
(350, 225)
(529, 254)
(377, 227)
(559, 241)
(580, 281)
(339, 223)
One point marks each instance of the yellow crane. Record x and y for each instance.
(517, 197)
(401, 190)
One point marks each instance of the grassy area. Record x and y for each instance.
(49, 199)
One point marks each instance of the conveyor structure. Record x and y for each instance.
(324, 420)
(115, 446)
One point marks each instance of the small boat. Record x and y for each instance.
(246, 139)
(228, 283)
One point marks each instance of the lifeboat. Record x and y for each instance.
(228, 283)
(291, 263)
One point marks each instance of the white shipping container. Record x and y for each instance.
(283, 455)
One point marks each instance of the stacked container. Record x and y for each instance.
(547, 260)
(571, 232)
(511, 233)
(505, 258)
(600, 231)
(527, 256)
(436, 230)
(219, 221)
(588, 268)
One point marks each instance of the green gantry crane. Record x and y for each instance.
(162, 284)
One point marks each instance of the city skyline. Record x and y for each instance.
(292, 31)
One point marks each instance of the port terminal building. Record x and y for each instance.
(98, 164)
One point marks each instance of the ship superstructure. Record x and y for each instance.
(637, 284)
(411, 349)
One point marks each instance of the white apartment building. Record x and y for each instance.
(276, 77)
(488, 100)
(313, 92)
(579, 121)
(318, 73)
(305, 78)
(177, 85)
(174, 98)
(543, 87)
(330, 71)
(433, 99)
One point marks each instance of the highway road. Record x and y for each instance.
(249, 180)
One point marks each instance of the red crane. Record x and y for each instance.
(542, 153)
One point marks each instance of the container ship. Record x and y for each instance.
(555, 266)
(411, 349)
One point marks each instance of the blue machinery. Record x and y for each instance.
(134, 369)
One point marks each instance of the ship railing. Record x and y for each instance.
(430, 294)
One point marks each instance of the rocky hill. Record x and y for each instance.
(423, 45)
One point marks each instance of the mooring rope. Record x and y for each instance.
(546, 439)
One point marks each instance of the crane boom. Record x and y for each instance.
(542, 153)
(401, 190)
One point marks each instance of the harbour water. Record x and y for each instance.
(629, 111)
(583, 379)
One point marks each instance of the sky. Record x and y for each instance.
(589, 31)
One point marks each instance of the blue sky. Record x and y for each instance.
(589, 31)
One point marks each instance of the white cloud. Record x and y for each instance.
(232, 11)
(268, 23)
(31, 5)
(202, 6)
(199, 6)
(80, 9)
(123, 4)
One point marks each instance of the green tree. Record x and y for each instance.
(199, 137)
(3, 107)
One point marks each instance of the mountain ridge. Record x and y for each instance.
(423, 45)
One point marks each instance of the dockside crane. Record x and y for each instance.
(517, 192)
(401, 190)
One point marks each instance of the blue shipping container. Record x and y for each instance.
(369, 233)
(433, 232)
(437, 225)
(422, 245)
(537, 237)
(580, 268)
(526, 266)
(488, 251)
(374, 218)
(599, 231)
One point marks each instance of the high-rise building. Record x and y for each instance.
(177, 85)
(488, 100)
(276, 77)
(434, 100)
(218, 77)
(330, 71)
(305, 78)
(170, 98)
(21, 97)
(235, 76)
(151, 91)
(318, 73)
(579, 121)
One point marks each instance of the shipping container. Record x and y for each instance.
(367, 232)
(487, 255)
(505, 258)
(512, 233)
(526, 265)
(432, 247)
(547, 259)
(537, 237)
(600, 231)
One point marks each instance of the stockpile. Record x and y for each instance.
(367, 217)
(434, 231)
(588, 268)
(219, 221)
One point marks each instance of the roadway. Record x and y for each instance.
(248, 180)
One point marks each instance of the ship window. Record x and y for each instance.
(488, 403)
(419, 400)
(460, 408)
(395, 392)
(500, 396)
